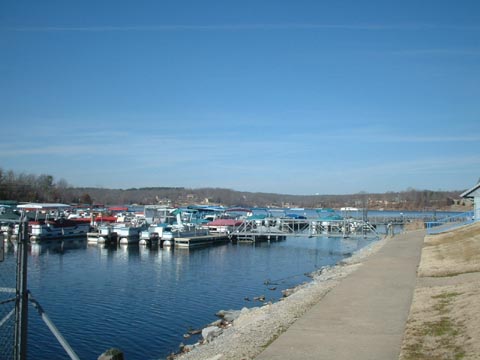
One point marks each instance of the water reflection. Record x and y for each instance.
(144, 298)
(57, 247)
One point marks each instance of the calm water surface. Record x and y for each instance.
(142, 300)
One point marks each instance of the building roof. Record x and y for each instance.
(42, 206)
(470, 193)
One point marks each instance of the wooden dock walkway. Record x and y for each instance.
(202, 240)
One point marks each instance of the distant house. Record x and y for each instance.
(474, 193)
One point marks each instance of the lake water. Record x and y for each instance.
(142, 300)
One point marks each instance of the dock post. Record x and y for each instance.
(2, 247)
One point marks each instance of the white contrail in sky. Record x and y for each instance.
(235, 27)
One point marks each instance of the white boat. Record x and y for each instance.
(158, 214)
(349, 209)
(57, 230)
(7, 230)
(128, 233)
(103, 234)
(152, 234)
(168, 237)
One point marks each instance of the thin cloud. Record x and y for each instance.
(371, 135)
(417, 166)
(65, 150)
(429, 139)
(438, 51)
(232, 27)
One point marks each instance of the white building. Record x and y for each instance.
(474, 193)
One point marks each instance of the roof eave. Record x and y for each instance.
(469, 191)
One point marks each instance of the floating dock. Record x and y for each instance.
(202, 240)
(253, 237)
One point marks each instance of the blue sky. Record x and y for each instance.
(297, 97)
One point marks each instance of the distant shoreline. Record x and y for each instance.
(44, 188)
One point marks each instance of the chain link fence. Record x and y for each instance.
(13, 307)
(8, 274)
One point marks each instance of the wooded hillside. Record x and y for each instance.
(44, 188)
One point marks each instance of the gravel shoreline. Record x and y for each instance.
(254, 329)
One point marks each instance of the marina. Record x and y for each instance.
(190, 180)
(172, 273)
(194, 226)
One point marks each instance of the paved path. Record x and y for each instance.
(364, 316)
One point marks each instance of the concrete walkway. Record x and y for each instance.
(364, 316)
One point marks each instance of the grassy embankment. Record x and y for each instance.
(445, 314)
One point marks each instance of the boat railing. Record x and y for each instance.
(449, 223)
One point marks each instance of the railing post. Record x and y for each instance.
(21, 307)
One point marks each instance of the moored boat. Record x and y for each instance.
(170, 234)
(57, 229)
(153, 234)
(50, 224)
(223, 225)
(128, 233)
(103, 234)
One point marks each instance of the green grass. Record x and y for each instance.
(445, 300)
(446, 295)
(443, 331)
(443, 327)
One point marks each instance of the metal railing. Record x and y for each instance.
(305, 227)
(449, 223)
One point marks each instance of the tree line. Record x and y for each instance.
(44, 188)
